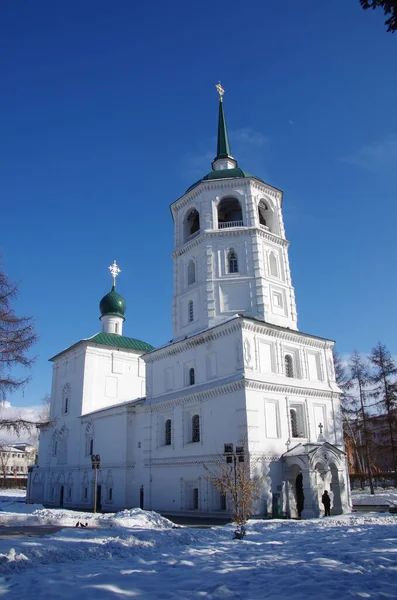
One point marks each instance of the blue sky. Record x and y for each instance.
(108, 112)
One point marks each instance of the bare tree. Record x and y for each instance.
(385, 393)
(349, 407)
(17, 336)
(232, 475)
(4, 459)
(360, 378)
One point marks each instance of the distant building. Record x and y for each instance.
(15, 459)
(380, 446)
(237, 367)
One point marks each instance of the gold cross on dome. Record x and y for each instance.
(114, 270)
(220, 91)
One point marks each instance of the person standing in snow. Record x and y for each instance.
(326, 500)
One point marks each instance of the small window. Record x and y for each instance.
(69, 493)
(191, 272)
(55, 448)
(168, 426)
(190, 311)
(85, 493)
(91, 446)
(66, 405)
(110, 494)
(223, 501)
(289, 366)
(195, 428)
(192, 377)
(116, 328)
(195, 498)
(232, 262)
(294, 423)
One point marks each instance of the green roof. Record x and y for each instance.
(112, 304)
(119, 341)
(111, 339)
(223, 151)
(224, 174)
(223, 146)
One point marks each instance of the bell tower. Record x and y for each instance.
(230, 250)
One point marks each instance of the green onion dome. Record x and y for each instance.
(112, 304)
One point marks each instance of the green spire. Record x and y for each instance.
(223, 147)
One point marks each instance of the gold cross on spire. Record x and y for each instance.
(114, 270)
(220, 91)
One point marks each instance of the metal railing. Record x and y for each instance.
(228, 224)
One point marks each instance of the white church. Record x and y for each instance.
(236, 368)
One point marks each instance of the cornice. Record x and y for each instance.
(286, 390)
(286, 335)
(230, 232)
(198, 396)
(221, 330)
(218, 184)
(206, 460)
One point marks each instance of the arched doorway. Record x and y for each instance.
(336, 500)
(300, 496)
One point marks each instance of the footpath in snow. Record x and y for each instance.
(138, 554)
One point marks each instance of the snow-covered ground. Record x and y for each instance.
(137, 554)
(381, 496)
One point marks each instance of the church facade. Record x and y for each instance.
(236, 369)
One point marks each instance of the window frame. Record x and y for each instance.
(168, 432)
(289, 369)
(190, 311)
(196, 437)
(232, 262)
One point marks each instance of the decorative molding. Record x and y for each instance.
(280, 388)
(230, 232)
(219, 184)
(289, 336)
(199, 396)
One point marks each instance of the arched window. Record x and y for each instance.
(294, 423)
(273, 266)
(229, 213)
(190, 311)
(192, 377)
(89, 439)
(195, 428)
(263, 214)
(289, 366)
(191, 272)
(168, 432)
(191, 225)
(232, 262)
